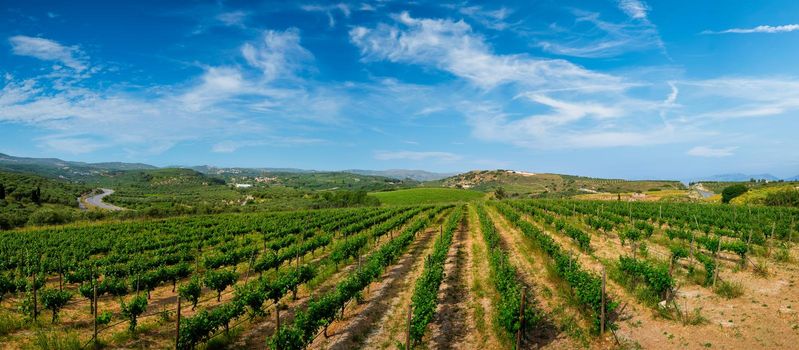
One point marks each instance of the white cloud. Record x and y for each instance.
(759, 29)
(233, 19)
(278, 54)
(224, 102)
(494, 19)
(230, 146)
(741, 97)
(453, 47)
(593, 37)
(330, 9)
(634, 8)
(416, 156)
(48, 50)
(711, 152)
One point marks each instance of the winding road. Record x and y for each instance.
(97, 200)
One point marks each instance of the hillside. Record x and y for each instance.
(736, 177)
(57, 168)
(525, 183)
(28, 197)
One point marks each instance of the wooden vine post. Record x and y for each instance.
(768, 244)
(408, 329)
(693, 234)
(521, 319)
(277, 324)
(94, 313)
(177, 326)
(602, 316)
(35, 306)
(716, 262)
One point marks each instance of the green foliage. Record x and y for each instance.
(729, 289)
(34, 200)
(585, 285)
(9, 323)
(133, 309)
(783, 198)
(710, 267)
(342, 199)
(426, 195)
(505, 280)
(425, 293)
(104, 318)
(322, 309)
(191, 291)
(54, 300)
(219, 280)
(57, 341)
(656, 276)
(733, 191)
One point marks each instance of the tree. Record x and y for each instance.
(191, 291)
(2, 191)
(733, 191)
(132, 310)
(54, 300)
(36, 196)
(219, 280)
(500, 193)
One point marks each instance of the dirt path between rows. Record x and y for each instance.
(378, 322)
(450, 327)
(262, 328)
(481, 292)
(549, 295)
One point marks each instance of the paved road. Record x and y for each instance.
(704, 192)
(97, 200)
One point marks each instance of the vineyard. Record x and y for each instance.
(487, 274)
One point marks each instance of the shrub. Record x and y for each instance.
(729, 290)
(54, 300)
(132, 310)
(733, 191)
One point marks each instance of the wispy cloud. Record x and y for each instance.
(48, 50)
(329, 10)
(230, 146)
(634, 8)
(711, 152)
(603, 39)
(249, 102)
(454, 47)
(233, 18)
(759, 29)
(494, 19)
(278, 54)
(416, 156)
(583, 108)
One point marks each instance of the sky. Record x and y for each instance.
(607, 88)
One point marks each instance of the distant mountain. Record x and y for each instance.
(795, 178)
(400, 174)
(736, 177)
(58, 168)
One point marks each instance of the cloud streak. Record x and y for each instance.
(48, 50)
(416, 156)
(759, 29)
(711, 152)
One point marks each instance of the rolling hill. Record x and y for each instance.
(524, 183)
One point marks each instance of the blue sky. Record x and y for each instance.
(616, 88)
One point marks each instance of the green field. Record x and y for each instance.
(426, 195)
